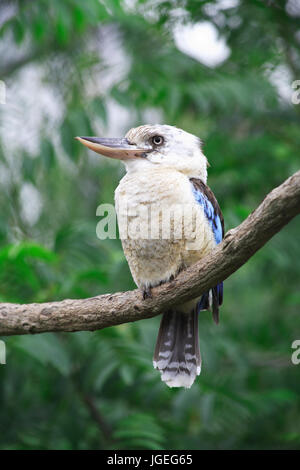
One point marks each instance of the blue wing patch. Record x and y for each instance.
(205, 197)
(212, 216)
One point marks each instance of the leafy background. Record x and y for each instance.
(99, 68)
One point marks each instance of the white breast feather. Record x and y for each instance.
(154, 261)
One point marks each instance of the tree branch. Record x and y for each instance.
(239, 244)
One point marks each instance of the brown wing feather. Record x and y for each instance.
(217, 291)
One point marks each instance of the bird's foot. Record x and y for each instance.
(147, 293)
(171, 278)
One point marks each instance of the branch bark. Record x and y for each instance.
(239, 244)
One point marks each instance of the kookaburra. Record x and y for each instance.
(165, 168)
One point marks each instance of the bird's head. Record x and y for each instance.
(153, 146)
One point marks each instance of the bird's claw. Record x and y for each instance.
(147, 293)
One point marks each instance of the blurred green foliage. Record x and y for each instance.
(99, 390)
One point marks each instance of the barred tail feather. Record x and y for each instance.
(177, 352)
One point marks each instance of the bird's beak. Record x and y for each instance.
(113, 148)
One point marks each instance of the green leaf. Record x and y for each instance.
(47, 349)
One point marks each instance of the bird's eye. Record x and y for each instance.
(157, 140)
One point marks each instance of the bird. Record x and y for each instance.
(166, 168)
